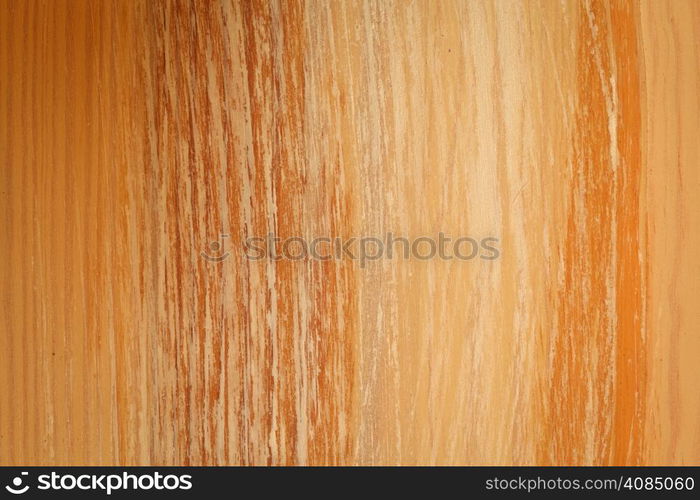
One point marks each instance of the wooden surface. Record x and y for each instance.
(134, 133)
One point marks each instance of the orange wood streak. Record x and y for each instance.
(598, 384)
(631, 350)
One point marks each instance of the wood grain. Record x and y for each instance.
(135, 133)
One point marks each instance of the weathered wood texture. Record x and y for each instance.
(134, 133)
